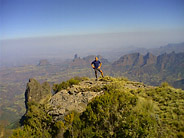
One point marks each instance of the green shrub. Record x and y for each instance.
(164, 84)
(106, 78)
(170, 113)
(115, 114)
(64, 85)
(37, 123)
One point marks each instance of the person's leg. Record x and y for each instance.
(96, 73)
(101, 72)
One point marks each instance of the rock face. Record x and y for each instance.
(37, 92)
(149, 59)
(136, 59)
(170, 61)
(161, 62)
(75, 98)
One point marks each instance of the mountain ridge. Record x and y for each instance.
(146, 67)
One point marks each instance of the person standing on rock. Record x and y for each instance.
(96, 65)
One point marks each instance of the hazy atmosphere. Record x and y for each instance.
(59, 29)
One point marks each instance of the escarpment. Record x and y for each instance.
(75, 97)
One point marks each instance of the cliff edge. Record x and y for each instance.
(109, 107)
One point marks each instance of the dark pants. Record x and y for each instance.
(99, 71)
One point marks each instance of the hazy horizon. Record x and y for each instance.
(60, 29)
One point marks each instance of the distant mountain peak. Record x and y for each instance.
(136, 59)
(43, 62)
(86, 61)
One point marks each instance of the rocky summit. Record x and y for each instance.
(75, 98)
(109, 107)
(72, 98)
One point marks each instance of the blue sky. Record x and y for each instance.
(32, 18)
(62, 28)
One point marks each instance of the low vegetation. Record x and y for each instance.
(37, 123)
(65, 84)
(143, 112)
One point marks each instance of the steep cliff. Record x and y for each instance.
(36, 92)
